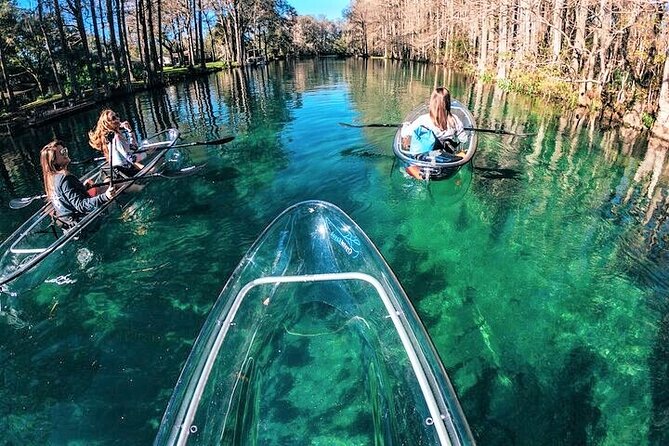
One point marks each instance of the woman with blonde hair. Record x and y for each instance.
(446, 127)
(67, 194)
(116, 139)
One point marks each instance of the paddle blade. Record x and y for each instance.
(20, 203)
(499, 132)
(89, 160)
(358, 126)
(186, 171)
(216, 142)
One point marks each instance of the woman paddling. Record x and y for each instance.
(67, 194)
(442, 130)
(111, 136)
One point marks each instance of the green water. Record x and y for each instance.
(540, 274)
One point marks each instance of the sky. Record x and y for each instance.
(329, 8)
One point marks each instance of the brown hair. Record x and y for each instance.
(49, 165)
(440, 108)
(98, 137)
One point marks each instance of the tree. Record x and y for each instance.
(8, 23)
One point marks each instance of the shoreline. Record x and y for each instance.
(36, 116)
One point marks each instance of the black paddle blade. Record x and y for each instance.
(358, 126)
(215, 142)
(225, 140)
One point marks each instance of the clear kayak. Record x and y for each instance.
(313, 341)
(38, 237)
(430, 166)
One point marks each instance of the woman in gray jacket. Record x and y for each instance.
(69, 196)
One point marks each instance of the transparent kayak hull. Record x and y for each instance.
(37, 238)
(313, 341)
(439, 167)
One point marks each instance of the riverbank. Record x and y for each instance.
(43, 111)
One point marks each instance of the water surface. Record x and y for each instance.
(540, 273)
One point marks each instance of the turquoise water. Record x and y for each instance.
(540, 273)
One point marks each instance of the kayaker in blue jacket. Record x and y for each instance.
(69, 196)
(444, 125)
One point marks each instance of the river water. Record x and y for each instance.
(540, 273)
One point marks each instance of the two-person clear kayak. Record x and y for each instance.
(39, 236)
(433, 166)
(313, 341)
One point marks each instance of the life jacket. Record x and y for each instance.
(423, 140)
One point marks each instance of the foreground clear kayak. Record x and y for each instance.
(38, 237)
(433, 167)
(313, 341)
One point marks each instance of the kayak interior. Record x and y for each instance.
(313, 339)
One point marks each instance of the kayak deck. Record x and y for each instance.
(38, 237)
(313, 339)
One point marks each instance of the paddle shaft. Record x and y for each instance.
(176, 174)
(473, 129)
(20, 203)
(215, 142)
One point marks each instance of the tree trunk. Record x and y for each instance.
(579, 37)
(123, 43)
(96, 34)
(141, 19)
(5, 78)
(199, 34)
(159, 12)
(79, 17)
(152, 42)
(661, 125)
(483, 46)
(556, 33)
(67, 54)
(49, 48)
(502, 44)
(112, 40)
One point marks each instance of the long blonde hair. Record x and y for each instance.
(50, 167)
(440, 108)
(100, 135)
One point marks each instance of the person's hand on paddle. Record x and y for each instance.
(126, 125)
(109, 192)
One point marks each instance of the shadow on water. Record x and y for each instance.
(492, 173)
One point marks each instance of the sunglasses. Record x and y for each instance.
(115, 118)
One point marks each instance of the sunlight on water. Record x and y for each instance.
(540, 271)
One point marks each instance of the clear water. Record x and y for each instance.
(540, 274)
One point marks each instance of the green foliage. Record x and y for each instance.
(217, 64)
(648, 120)
(538, 83)
(488, 77)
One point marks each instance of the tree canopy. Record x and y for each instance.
(601, 55)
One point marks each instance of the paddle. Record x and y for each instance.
(496, 131)
(215, 142)
(19, 203)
